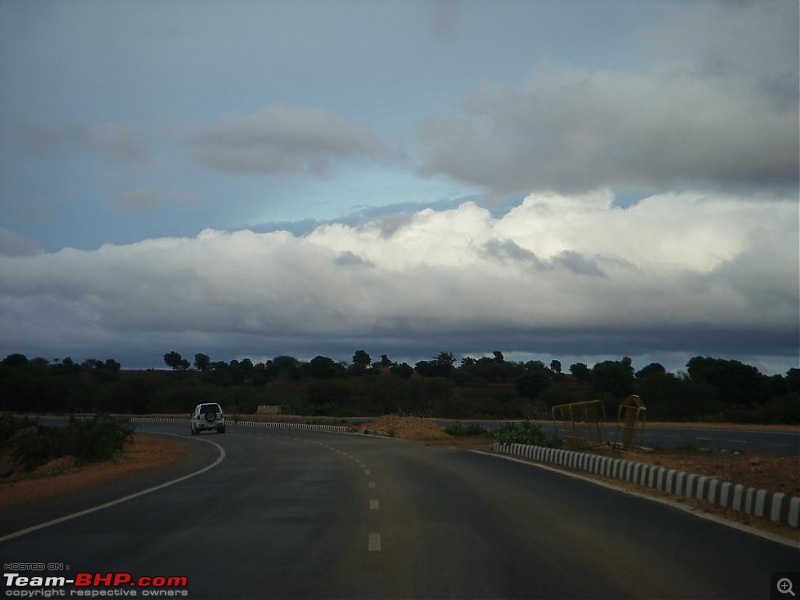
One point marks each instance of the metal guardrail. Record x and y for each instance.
(237, 423)
(228, 422)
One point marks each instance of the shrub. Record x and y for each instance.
(90, 441)
(36, 446)
(459, 430)
(521, 433)
(10, 425)
(97, 439)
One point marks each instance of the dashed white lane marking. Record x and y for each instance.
(374, 540)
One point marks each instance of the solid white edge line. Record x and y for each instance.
(665, 501)
(93, 509)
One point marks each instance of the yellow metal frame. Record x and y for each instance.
(582, 423)
(631, 420)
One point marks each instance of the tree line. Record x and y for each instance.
(711, 389)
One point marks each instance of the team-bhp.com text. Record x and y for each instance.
(95, 585)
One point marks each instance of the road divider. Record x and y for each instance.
(776, 506)
(235, 423)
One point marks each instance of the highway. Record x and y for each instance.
(304, 514)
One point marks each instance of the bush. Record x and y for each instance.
(522, 433)
(10, 425)
(470, 430)
(96, 440)
(37, 446)
(91, 441)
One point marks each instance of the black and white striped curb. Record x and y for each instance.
(268, 424)
(285, 425)
(776, 506)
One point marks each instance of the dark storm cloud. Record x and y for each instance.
(113, 142)
(279, 139)
(718, 111)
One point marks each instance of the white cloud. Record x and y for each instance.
(573, 268)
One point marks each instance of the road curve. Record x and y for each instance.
(301, 514)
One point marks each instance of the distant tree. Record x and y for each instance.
(670, 398)
(175, 361)
(651, 369)
(202, 362)
(444, 364)
(261, 373)
(534, 380)
(105, 372)
(286, 364)
(735, 382)
(793, 380)
(487, 368)
(246, 367)
(322, 367)
(384, 363)
(424, 368)
(555, 366)
(498, 356)
(613, 377)
(15, 360)
(467, 362)
(328, 396)
(581, 372)
(361, 362)
(403, 370)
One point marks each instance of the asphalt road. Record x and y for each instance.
(724, 439)
(299, 514)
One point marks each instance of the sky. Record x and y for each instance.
(572, 180)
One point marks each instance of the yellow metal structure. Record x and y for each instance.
(580, 423)
(630, 422)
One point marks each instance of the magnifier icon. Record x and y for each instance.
(785, 586)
